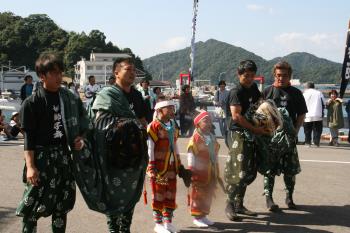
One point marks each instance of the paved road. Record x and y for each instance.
(322, 192)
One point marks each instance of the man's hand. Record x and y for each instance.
(78, 143)
(261, 131)
(32, 176)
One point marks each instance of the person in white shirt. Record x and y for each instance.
(148, 97)
(92, 88)
(313, 123)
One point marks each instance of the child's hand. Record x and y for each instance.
(151, 172)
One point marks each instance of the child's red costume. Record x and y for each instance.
(203, 162)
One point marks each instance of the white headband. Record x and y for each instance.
(163, 104)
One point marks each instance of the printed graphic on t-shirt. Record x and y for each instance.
(57, 125)
(284, 101)
(131, 105)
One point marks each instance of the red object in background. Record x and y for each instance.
(188, 79)
(261, 79)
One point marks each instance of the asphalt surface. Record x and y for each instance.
(322, 194)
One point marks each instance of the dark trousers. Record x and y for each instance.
(58, 225)
(269, 183)
(120, 223)
(314, 128)
(241, 166)
(186, 125)
(223, 126)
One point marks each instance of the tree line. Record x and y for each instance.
(23, 39)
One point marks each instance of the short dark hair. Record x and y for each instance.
(48, 62)
(246, 65)
(310, 84)
(71, 84)
(27, 76)
(283, 65)
(155, 89)
(119, 60)
(144, 80)
(111, 77)
(221, 82)
(184, 87)
(333, 92)
(90, 77)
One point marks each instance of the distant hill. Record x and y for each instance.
(214, 57)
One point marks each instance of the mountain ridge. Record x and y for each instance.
(214, 57)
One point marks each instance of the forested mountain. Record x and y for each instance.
(214, 57)
(23, 39)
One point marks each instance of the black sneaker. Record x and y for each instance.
(230, 212)
(290, 203)
(242, 210)
(270, 204)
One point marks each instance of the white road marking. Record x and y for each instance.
(301, 160)
(324, 161)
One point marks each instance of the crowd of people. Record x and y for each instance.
(126, 133)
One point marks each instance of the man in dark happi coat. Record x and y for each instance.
(110, 176)
(54, 122)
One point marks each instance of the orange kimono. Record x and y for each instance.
(165, 161)
(205, 171)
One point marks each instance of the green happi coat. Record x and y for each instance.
(55, 193)
(105, 188)
(278, 153)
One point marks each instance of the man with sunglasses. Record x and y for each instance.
(290, 98)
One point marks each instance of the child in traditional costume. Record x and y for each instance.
(203, 162)
(164, 165)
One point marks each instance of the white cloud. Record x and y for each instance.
(295, 40)
(175, 43)
(259, 8)
(255, 7)
(320, 44)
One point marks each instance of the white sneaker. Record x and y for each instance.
(170, 227)
(159, 228)
(207, 221)
(199, 222)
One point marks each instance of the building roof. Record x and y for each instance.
(109, 56)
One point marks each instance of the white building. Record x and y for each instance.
(295, 82)
(100, 66)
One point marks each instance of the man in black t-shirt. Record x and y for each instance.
(292, 99)
(241, 167)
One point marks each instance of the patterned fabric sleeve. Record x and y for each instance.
(152, 131)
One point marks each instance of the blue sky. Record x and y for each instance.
(269, 28)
